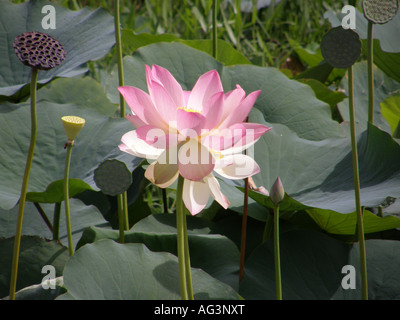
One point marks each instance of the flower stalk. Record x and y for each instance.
(183, 251)
(68, 146)
(25, 181)
(277, 195)
(370, 73)
(122, 205)
(356, 177)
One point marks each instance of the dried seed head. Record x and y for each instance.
(39, 50)
(380, 11)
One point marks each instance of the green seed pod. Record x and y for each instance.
(341, 47)
(72, 126)
(112, 177)
(39, 50)
(380, 11)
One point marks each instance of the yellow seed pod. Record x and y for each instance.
(72, 126)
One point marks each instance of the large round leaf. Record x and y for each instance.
(82, 217)
(312, 264)
(384, 86)
(98, 140)
(107, 270)
(35, 253)
(85, 34)
(319, 173)
(213, 253)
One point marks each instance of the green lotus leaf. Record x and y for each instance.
(312, 263)
(107, 270)
(85, 34)
(158, 233)
(384, 86)
(35, 253)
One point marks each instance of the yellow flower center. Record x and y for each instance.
(189, 110)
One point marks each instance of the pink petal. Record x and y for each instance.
(195, 195)
(232, 100)
(190, 124)
(241, 111)
(142, 106)
(195, 161)
(157, 137)
(162, 175)
(163, 102)
(206, 86)
(166, 79)
(135, 120)
(251, 133)
(213, 110)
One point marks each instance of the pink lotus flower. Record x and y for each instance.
(191, 133)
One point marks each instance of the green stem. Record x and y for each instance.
(360, 226)
(24, 188)
(244, 230)
(66, 197)
(187, 261)
(117, 26)
(215, 34)
(56, 221)
(43, 215)
(165, 200)
(278, 281)
(121, 221)
(119, 56)
(370, 74)
(181, 239)
(125, 206)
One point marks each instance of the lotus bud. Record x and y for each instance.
(39, 50)
(72, 126)
(277, 192)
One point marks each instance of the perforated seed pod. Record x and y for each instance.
(341, 47)
(39, 50)
(112, 177)
(380, 11)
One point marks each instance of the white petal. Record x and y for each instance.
(238, 166)
(162, 175)
(215, 189)
(195, 195)
(137, 147)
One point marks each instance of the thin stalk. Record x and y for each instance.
(277, 256)
(360, 226)
(165, 200)
(215, 34)
(56, 221)
(117, 27)
(244, 229)
(121, 221)
(24, 188)
(66, 197)
(187, 261)
(44, 216)
(119, 56)
(181, 239)
(370, 73)
(125, 215)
